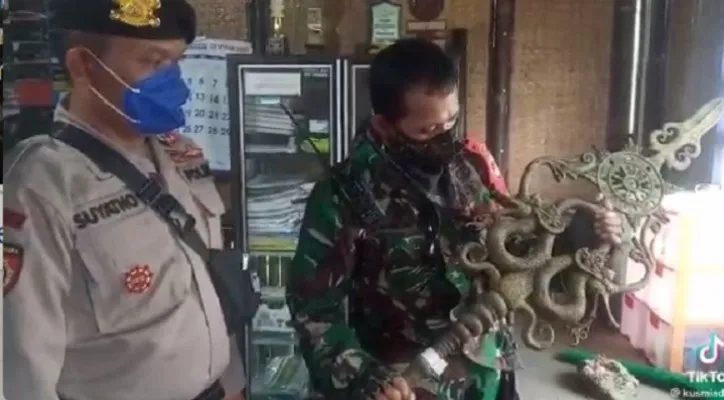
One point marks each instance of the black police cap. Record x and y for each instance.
(142, 19)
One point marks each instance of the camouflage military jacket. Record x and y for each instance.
(367, 298)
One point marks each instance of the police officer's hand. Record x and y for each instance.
(399, 389)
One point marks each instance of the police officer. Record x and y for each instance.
(102, 300)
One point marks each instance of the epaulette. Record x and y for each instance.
(181, 149)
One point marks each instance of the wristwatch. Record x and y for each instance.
(434, 364)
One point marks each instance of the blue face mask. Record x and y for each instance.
(152, 105)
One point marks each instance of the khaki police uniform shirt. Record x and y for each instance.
(102, 301)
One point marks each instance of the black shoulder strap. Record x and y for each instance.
(146, 189)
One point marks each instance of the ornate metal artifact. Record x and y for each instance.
(506, 282)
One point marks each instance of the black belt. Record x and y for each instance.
(214, 392)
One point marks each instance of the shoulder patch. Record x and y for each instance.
(180, 149)
(12, 265)
(476, 147)
(189, 153)
(169, 139)
(494, 176)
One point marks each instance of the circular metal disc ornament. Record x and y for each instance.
(632, 184)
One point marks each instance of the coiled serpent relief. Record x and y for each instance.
(506, 283)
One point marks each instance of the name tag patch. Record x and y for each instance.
(105, 210)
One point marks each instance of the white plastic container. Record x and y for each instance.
(680, 310)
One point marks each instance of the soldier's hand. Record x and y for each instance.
(398, 390)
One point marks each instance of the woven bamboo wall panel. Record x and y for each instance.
(221, 19)
(559, 99)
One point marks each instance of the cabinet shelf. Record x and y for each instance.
(279, 171)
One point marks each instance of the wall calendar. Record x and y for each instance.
(207, 111)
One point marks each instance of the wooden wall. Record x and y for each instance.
(560, 84)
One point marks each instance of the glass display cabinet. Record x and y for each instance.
(360, 107)
(276, 160)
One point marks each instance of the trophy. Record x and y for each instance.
(277, 43)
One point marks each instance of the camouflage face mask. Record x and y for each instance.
(429, 155)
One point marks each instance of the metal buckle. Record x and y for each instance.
(166, 204)
(182, 221)
(189, 224)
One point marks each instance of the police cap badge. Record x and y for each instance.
(143, 19)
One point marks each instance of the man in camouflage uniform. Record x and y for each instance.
(384, 259)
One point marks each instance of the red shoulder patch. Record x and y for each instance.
(180, 149)
(12, 265)
(169, 139)
(185, 154)
(476, 147)
(494, 177)
(13, 219)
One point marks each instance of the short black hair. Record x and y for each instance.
(403, 65)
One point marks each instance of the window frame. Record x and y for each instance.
(718, 167)
(718, 170)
